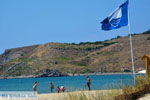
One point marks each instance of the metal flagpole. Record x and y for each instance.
(131, 47)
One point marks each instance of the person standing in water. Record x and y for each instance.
(88, 82)
(58, 89)
(51, 87)
(62, 88)
(35, 87)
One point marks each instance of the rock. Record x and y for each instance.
(51, 73)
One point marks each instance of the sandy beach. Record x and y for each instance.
(146, 97)
(64, 96)
(107, 94)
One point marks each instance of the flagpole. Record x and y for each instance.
(131, 47)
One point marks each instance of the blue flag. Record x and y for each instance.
(117, 19)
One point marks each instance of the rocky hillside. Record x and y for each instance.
(86, 57)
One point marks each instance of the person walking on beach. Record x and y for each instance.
(88, 82)
(35, 87)
(51, 87)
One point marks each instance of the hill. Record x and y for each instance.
(108, 56)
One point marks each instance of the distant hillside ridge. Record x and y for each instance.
(109, 56)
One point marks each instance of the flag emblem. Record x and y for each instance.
(117, 19)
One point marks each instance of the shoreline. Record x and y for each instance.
(68, 75)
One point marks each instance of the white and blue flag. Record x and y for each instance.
(117, 19)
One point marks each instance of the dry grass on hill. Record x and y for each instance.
(109, 56)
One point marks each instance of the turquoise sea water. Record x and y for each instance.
(71, 83)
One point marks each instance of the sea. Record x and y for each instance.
(71, 83)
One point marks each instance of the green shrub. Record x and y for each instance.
(148, 38)
(147, 32)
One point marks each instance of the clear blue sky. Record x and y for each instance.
(29, 22)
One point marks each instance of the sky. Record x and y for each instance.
(30, 22)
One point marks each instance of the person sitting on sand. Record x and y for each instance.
(62, 89)
(35, 87)
(51, 87)
(88, 82)
(58, 89)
